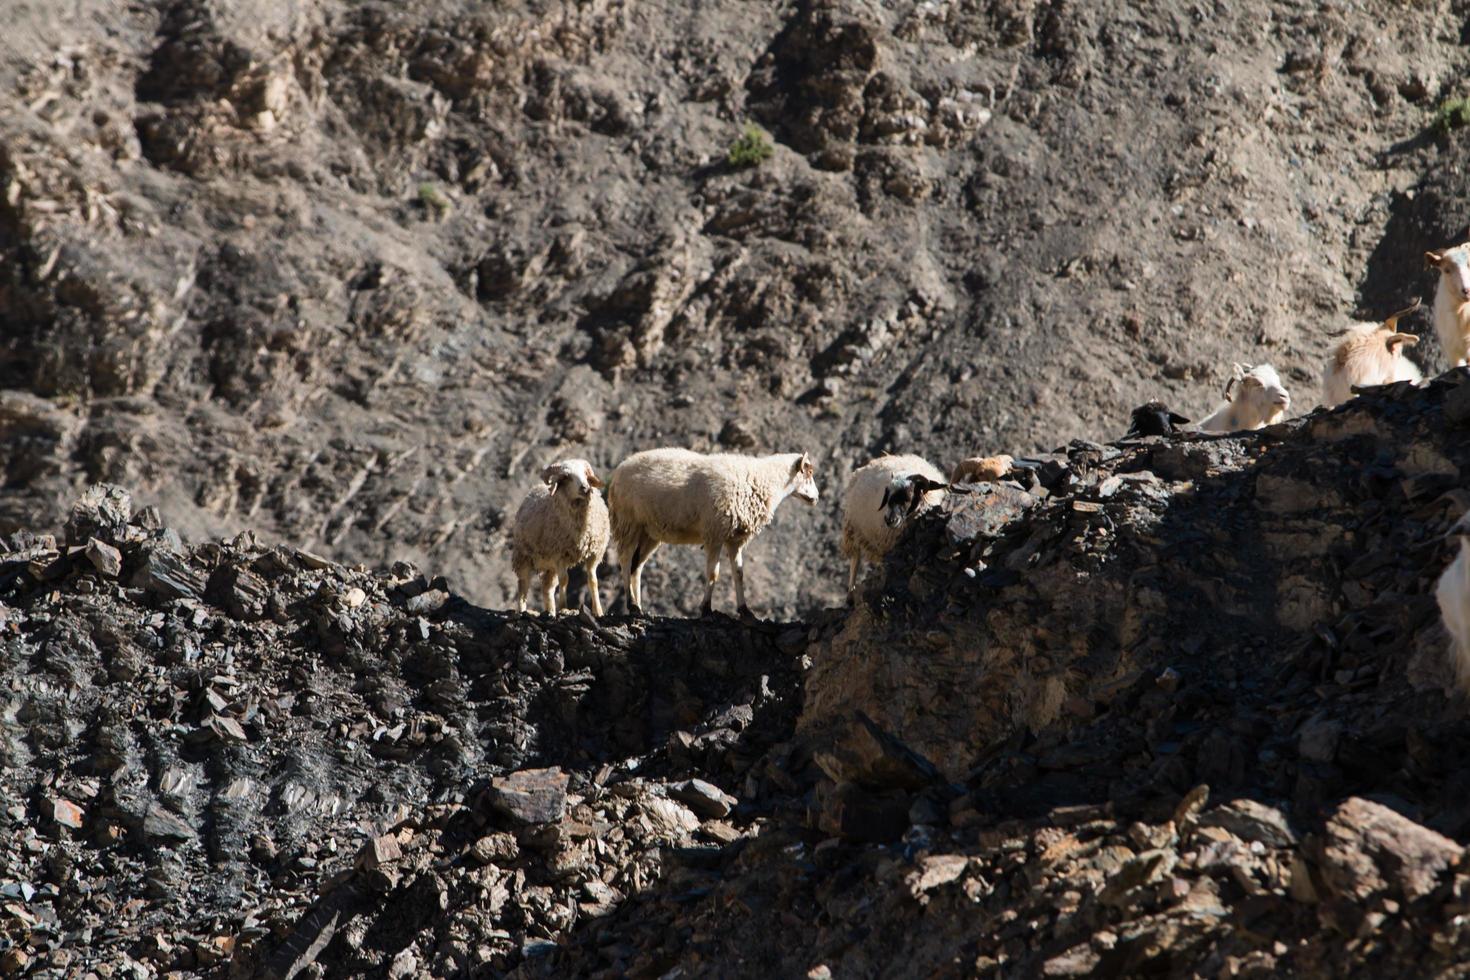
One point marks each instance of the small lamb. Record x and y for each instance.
(1370, 354)
(1453, 595)
(1259, 400)
(981, 469)
(561, 523)
(881, 496)
(1452, 301)
(720, 501)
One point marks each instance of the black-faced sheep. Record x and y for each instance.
(1154, 419)
(720, 501)
(1370, 354)
(1452, 301)
(880, 497)
(561, 523)
(1255, 397)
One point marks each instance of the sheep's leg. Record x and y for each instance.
(736, 552)
(853, 568)
(641, 554)
(523, 587)
(566, 586)
(596, 599)
(631, 568)
(711, 576)
(548, 592)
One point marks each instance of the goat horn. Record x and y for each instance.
(1393, 321)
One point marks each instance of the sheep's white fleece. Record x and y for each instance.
(678, 496)
(1453, 595)
(864, 535)
(551, 535)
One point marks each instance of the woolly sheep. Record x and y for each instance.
(561, 523)
(720, 501)
(1370, 354)
(880, 497)
(981, 469)
(1452, 301)
(1453, 595)
(1259, 399)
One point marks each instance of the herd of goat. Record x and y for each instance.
(721, 501)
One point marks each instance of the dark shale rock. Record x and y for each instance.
(705, 799)
(1251, 821)
(529, 796)
(165, 572)
(104, 557)
(1367, 851)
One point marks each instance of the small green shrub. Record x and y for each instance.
(1451, 114)
(433, 200)
(752, 148)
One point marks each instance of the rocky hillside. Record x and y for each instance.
(1169, 707)
(349, 273)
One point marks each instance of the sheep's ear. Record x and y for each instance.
(593, 481)
(926, 485)
(550, 476)
(802, 465)
(1433, 259)
(1401, 340)
(1178, 419)
(884, 505)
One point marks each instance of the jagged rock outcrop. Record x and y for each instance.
(1229, 736)
(196, 739)
(1179, 706)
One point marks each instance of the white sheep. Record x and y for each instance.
(880, 497)
(720, 501)
(1453, 595)
(561, 523)
(1259, 399)
(1370, 354)
(1452, 301)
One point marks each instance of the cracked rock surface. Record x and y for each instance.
(247, 761)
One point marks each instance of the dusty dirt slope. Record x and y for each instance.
(350, 273)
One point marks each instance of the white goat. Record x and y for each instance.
(1453, 595)
(1370, 354)
(720, 501)
(561, 523)
(1259, 399)
(880, 497)
(1452, 301)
